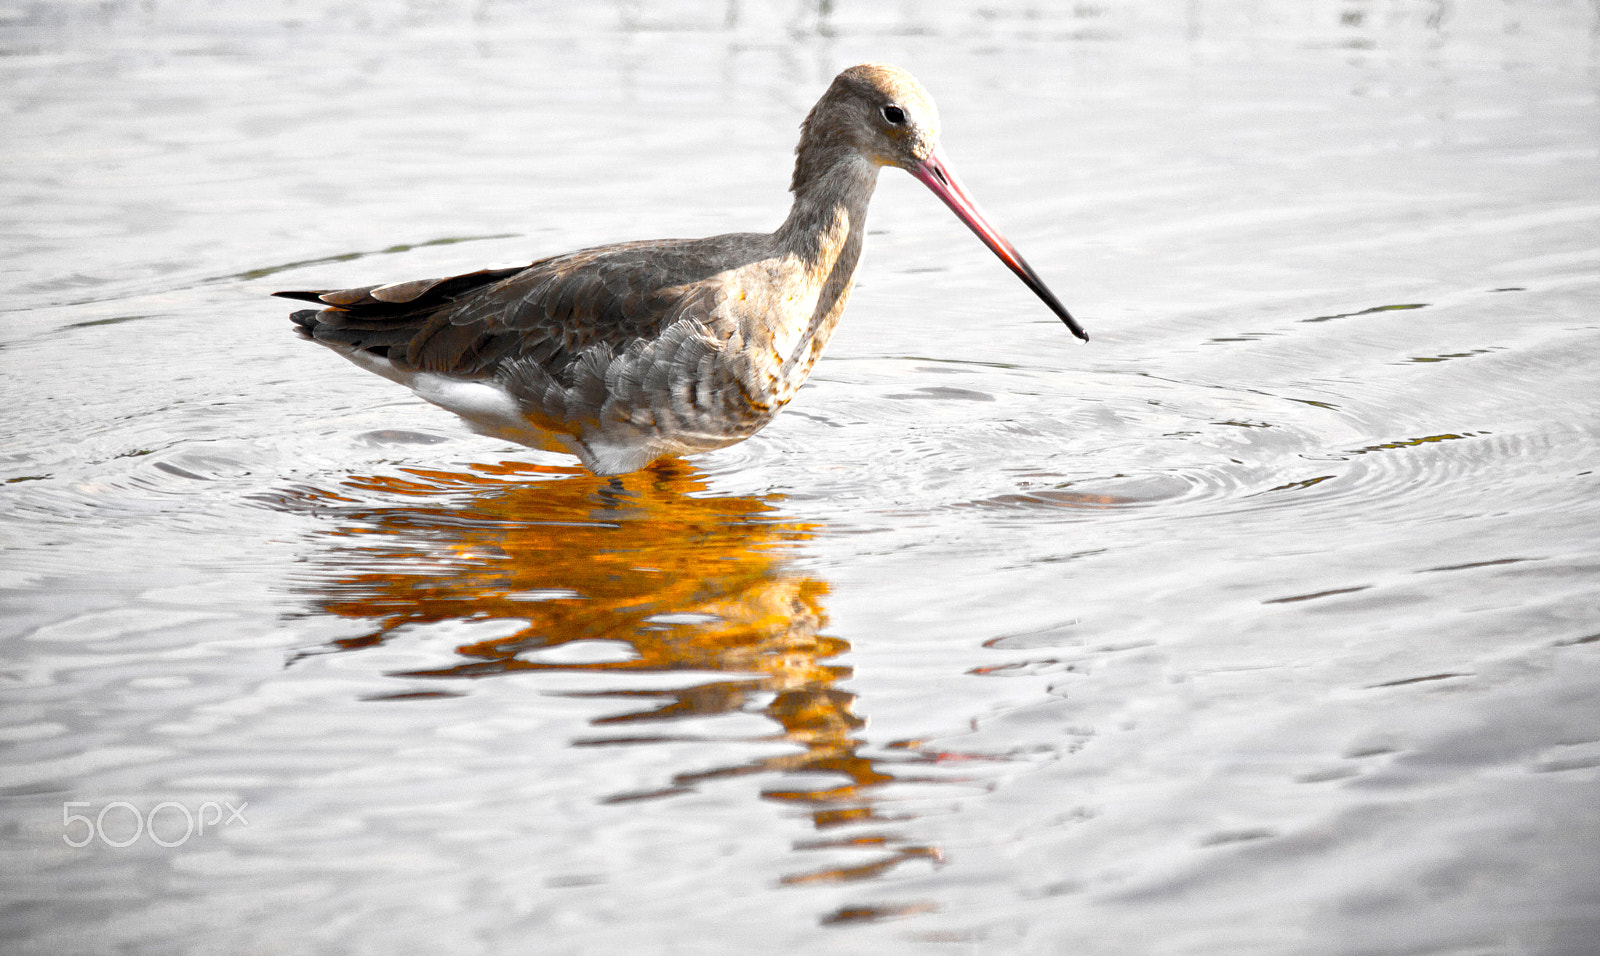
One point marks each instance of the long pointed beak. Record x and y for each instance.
(936, 174)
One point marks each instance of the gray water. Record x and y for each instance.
(1268, 622)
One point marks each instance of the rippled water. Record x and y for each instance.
(1266, 623)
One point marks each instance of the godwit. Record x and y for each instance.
(625, 353)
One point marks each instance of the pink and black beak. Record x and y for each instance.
(936, 174)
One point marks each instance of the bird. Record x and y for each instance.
(626, 353)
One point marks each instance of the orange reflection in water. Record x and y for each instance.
(687, 580)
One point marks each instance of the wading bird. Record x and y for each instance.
(626, 353)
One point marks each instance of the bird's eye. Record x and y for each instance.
(894, 114)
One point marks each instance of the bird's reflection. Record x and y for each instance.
(685, 580)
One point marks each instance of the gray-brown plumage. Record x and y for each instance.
(625, 353)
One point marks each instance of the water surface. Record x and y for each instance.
(1265, 623)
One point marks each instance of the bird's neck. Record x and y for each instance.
(827, 223)
(820, 244)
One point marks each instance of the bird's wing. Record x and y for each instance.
(550, 312)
